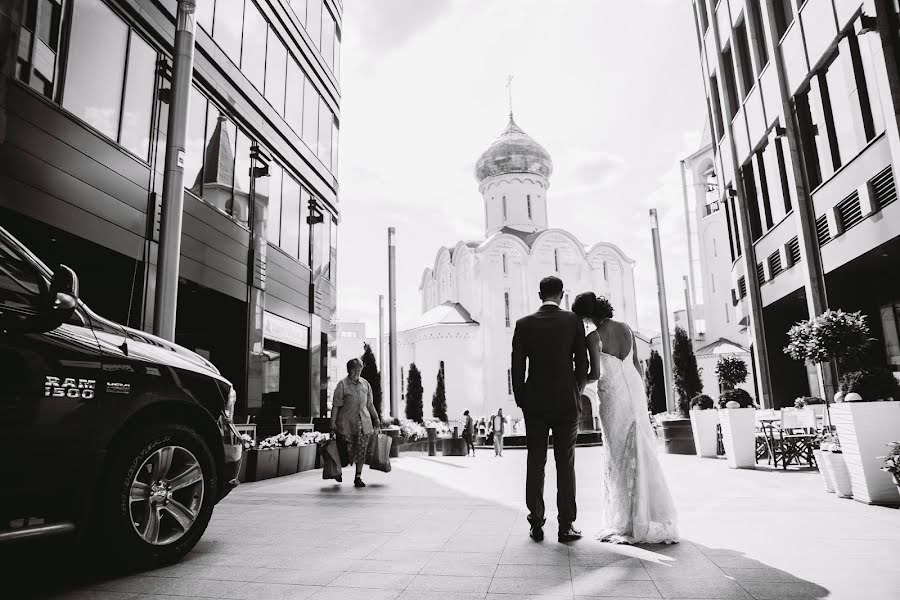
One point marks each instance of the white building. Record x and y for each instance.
(476, 290)
(347, 339)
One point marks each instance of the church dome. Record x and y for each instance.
(513, 152)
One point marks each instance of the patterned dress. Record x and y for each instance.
(355, 417)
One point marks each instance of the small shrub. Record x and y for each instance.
(701, 402)
(892, 461)
(804, 401)
(731, 371)
(871, 384)
(741, 396)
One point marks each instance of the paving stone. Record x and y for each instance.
(349, 593)
(551, 571)
(450, 583)
(384, 581)
(601, 587)
(701, 588)
(272, 591)
(298, 576)
(529, 585)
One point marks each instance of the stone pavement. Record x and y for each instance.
(454, 528)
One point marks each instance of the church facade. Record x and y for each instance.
(475, 291)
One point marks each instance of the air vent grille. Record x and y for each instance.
(760, 273)
(822, 230)
(850, 212)
(794, 251)
(742, 287)
(775, 264)
(883, 187)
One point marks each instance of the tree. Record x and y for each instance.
(371, 374)
(685, 371)
(730, 370)
(439, 400)
(414, 408)
(656, 384)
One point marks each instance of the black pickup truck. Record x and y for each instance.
(115, 435)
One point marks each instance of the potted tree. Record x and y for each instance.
(704, 423)
(862, 423)
(676, 429)
(737, 419)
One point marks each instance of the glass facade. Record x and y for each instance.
(253, 57)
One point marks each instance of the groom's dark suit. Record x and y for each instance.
(552, 342)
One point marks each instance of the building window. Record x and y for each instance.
(566, 300)
(704, 16)
(326, 122)
(503, 260)
(712, 283)
(38, 60)
(731, 92)
(276, 66)
(253, 55)
(273, 225)
(745, 68)
(556, 260)
(314, 21)
(784, 16)
(329, 35)
(504, 208)
(227, 28)
(727, 314)
(101, 49)
(293, 109)
(402, 384)
(605, 271)
(310, 132)
(761, 51)
(528, 201)
(715, 248)
(736, 225)
(715, 101)
(506, 307)
(291, 225)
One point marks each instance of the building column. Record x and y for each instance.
(804, 211)
(759, 347)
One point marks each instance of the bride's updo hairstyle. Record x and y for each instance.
(588, 305)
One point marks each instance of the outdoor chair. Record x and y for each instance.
(791, 442)
(764, 423)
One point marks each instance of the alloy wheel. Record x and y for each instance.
(166, 495)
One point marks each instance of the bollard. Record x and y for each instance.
(432, 440)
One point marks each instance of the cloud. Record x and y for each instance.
(386, 25)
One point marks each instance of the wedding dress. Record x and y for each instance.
(635, 503)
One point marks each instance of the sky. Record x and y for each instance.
(611, 89)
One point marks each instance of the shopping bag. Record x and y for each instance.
(331, 466)
(343, 449)
(378, 452)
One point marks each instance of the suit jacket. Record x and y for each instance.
(551, 342)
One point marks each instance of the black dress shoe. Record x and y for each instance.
(569, 534)
(358, 482)
(536, 533)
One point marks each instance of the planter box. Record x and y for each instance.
(242, 472)
(864, 429)
(825, 471)
(739, 436)
(704, 424)
(306, 460)
(678, 437)
(454, 447)
(394, 434)
(287, 460)
(840, 476)
(262, 464)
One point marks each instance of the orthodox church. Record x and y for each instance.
(476, 290)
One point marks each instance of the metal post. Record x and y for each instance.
(690, 237)
(663, 313)
(689, 310)
(381, 364)
(392, 324)
(166, 300)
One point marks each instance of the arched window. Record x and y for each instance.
(505, 267)
(528, 200)
(556, 259)
(506, 307)
(504, 208)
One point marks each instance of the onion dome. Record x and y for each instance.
(513, 152)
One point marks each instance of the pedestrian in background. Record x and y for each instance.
(353, 415)
(469, 433)
(498, 424)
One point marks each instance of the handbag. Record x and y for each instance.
(331, 467)
(343, 449)
(378, 452)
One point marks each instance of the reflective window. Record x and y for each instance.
(205, 9)
(334, 148)
(253, 57)
(846, 109)
(304, 226)
(273, 225)
(218, 172)
(140, 87)
(299, 7)
(20, 282)
(310, 115)
(337, 55)
(814, 134)
(314, 21)
(37, 62)
(328, 29)
(325, 245)
(276, 64)
(290, 213)
(227, 27)
(293, 108)
(326, 119)
(240, 204)
(96, 65)
(194, 143)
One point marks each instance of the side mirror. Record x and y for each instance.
(64, 290)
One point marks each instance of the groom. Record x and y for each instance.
(552, 343)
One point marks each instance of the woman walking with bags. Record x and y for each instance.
(353, 415)
(469, 433)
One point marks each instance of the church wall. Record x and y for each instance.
(516, 188)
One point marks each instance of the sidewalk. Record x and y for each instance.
(454, 528)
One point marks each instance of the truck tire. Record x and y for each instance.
(157, 496)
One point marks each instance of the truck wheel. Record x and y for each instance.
(157, 497)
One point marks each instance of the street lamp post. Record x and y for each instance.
(663, 313)
(169, 255)
(316, 216)
(392, 323)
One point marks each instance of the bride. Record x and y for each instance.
(636, 506)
